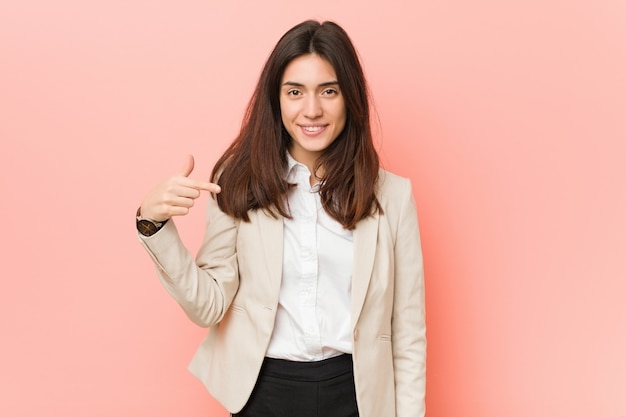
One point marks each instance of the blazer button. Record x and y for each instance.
(356, 334)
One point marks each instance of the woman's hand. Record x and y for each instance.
(176, 195)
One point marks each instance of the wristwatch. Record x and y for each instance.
(148, 227)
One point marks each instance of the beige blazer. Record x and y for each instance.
(233, 286)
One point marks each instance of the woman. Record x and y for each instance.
(310, 273)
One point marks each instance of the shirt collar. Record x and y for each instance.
(293, 167)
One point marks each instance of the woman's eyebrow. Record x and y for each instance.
(296, 84)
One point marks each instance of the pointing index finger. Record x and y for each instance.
(203, 185)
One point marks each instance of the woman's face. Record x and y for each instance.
(312, 107)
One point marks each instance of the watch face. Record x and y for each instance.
(146, 227)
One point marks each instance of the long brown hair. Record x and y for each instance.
(252, 171)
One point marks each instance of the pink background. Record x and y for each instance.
(508, 116)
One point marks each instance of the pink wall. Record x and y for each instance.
(509, 117)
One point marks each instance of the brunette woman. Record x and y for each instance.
(310, 273)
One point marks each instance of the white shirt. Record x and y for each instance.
(313, 316)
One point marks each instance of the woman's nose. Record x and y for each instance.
(312, 107)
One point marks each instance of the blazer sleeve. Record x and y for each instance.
(408, 318)
(204, 287)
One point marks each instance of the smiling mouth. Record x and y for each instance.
(312, 129)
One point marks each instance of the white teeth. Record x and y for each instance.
(312, 128)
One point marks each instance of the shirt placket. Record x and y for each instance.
(309, 270)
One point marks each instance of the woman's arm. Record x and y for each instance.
(204, 288)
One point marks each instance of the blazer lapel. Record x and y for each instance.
(364, 239)
(271, 236)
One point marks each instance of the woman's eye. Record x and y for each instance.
(293, 93)
(330, 92)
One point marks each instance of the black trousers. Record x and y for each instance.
(304, 389)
